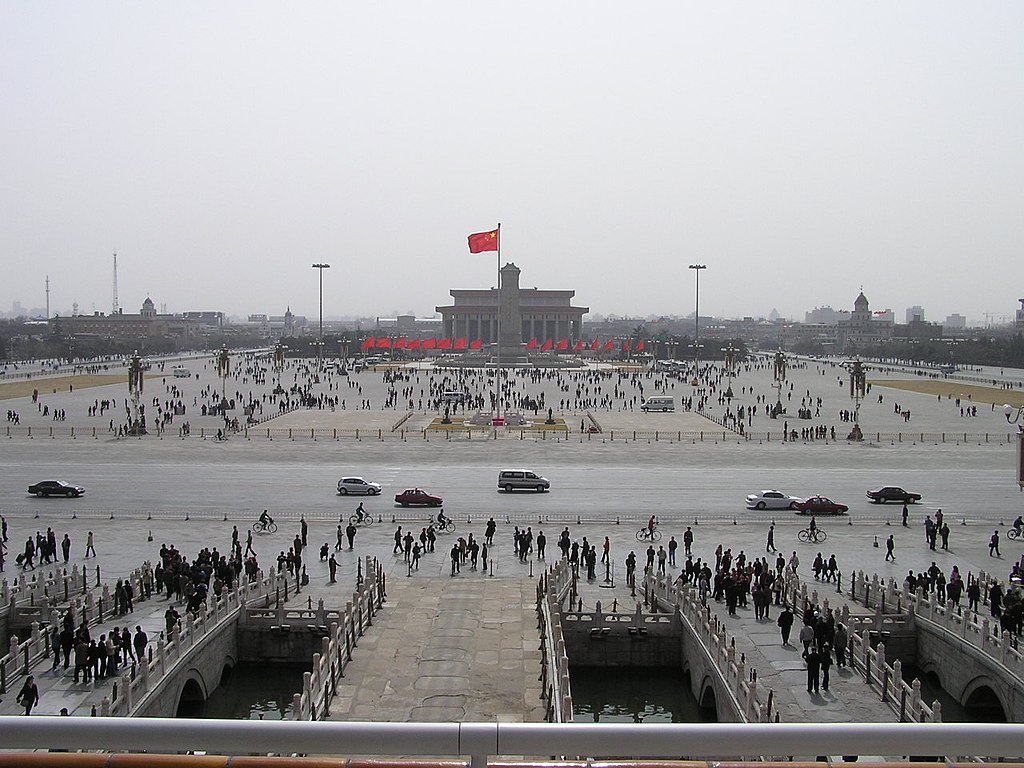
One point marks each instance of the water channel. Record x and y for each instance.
(253, 691)
(647, 695)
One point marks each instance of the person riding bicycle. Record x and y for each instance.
(442, 521)
(651, 524)
(1018, 524)
(813, 527)
(266, 520)
(360, 514)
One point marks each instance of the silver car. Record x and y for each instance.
(357, 486)
(771, 500)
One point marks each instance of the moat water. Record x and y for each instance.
(256, 692)
(648, 695)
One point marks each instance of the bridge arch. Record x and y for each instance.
(707, 700)
(982, 701)
(192, 695)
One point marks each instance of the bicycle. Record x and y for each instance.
(1015, 533)
(366, 521)
(648, 534)
(812, 535)
(443, 527)
(268, 527)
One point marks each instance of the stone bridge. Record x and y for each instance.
(962, 650)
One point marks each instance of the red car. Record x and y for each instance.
(419, 497)
(820, 505)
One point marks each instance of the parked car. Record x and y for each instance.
(771, 500)
(892, 493)
(357, 486)
(55, 488)
(821, 505)
(514, 479)
(418, 497)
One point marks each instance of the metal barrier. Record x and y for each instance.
(482, 741)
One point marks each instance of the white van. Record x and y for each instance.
(521, 479)
(181, 373)
(658, 404)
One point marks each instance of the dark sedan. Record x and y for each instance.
(892, 493)
(55, 488)
(821, 505)
(418, 497)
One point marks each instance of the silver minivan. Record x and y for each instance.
(521, 479)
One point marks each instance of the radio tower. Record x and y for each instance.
(114, 307)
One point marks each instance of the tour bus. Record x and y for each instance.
(658, 404)
(181, 372)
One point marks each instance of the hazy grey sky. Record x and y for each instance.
(799, 149)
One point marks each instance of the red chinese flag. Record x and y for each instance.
(593, 347)
(444, 344)
(400, 343)
(414, 344)
(610, 345)
(368, 343)
(429, 343)
(476, 344)
(383, 343)
(532, 343)
(625, 345)
(546, 346)
(483, 241)
(460, 343)
(563, 344)
(640, 346)
(579, 346)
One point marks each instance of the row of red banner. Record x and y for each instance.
(385, 342)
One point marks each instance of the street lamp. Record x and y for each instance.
(858, 389)
(779, 366)
(1014, 419)
(730, 363)
(321, 267)
(696, 322)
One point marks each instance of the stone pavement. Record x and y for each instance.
(447, 650)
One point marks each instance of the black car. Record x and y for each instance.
(892, 493)
(55, 488)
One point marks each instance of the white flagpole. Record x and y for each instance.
(497, 372)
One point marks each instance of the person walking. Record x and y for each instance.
(840, 640)
(993, 544)
(304, 529)
(813, 659)
(248, 545)
(350, 534)
(89, 546)
(825, 659)
(332, 565)
(890, 545)
(688, 541)
(906, 515)
(65, 546)
(770, 544)
(673, 545)
(785, 622)
(28, 695)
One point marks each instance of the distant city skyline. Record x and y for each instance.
(799, 150)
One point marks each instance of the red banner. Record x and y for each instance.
(444, 344)
(475, 344)
(368, 343)
(610, 345)
(400, 343)
(429, 343)
(594, 346)
(562, 345)
(579, 346)
(414, 344)
(532, 343)
(460, 343)
(383, 343)
(483, 241)
(546, 346)
(640, 346)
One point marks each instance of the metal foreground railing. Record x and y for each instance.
(481, 742)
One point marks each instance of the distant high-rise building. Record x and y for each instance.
(915, 312)
(955, 322)
(1020, 314)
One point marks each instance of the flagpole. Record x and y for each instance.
(497, 372)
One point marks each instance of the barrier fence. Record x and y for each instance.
(552, 589)
(537, 434)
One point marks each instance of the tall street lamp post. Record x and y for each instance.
(320, 341)
(696, 323)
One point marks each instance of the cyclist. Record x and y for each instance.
(1018, 524)
(813, 527)
(360, 514)
(442, 521)
(651, 524)
(266, 520)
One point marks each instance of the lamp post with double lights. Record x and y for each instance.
(696, 322)
(779, 366)
(858, 389)
(320, 339)
(730, 364)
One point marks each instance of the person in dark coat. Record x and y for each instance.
(785, 622)
(813, 659)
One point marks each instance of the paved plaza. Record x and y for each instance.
(190, 492)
